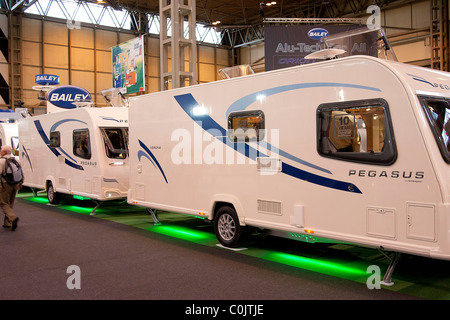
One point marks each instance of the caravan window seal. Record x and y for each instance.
(356, 131)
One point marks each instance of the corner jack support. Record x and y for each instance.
(97, 204)
(387, 279)
(154, 214)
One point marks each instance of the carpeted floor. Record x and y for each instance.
(119, 261)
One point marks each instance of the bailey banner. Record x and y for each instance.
(128, 66)
(287, 46)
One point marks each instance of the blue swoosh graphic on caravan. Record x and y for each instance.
(421, 79)
(25, 155)
(44, 137)
(244, 102)
(140, 154)
(188, 103)
(56, 125)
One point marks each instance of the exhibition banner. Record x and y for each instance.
(287, 46)
(128, 66)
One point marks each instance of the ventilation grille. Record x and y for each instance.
(269, 207)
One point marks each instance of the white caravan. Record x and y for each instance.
(9, 129)
(9, 135)
(82, 151)
(351, 150)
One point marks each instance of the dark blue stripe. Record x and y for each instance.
(188, 103)
(25, 154)
(322, 181)
(44, 137)
(153, 157)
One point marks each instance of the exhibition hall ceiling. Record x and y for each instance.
(247, 12)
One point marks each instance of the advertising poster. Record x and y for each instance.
(287, 46)
(128, 66)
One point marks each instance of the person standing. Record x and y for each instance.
(8, 192)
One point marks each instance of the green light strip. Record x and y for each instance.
(78, 209)
(80, 197)
(326, 267)
(182, 233)
(321, 266)
(39, 199)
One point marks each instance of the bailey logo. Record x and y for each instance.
(65, 96)
(46, 79)
(317, 33)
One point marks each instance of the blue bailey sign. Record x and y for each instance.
(46, 79)
(64, 96)
(317, 33)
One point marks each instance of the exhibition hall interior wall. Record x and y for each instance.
(81, 55)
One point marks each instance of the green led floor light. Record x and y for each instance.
(182, 233)
(39, 199)
(77, 209)
(317, 265)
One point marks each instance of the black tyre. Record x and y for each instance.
(52, 196)
(227, 228)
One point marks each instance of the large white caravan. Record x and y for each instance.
(353, 150)
(82, 151)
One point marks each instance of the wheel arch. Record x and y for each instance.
(223, 200)
(51, 180)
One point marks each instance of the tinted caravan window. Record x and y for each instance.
(55, 139)
(81, 143)
(116, 142)
(246, 126)
(438, 115)
(15, 146)
(359, 131)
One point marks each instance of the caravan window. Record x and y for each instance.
(81, 143)
(359, 131)
(15, 146)
(438, 115)
(246, 126)
(116, 142)
(55, 139)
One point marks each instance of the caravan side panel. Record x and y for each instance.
(183, 159)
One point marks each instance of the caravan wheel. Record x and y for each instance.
(53, 197)
(227, 227)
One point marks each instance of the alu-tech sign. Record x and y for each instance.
(287, 46)
(65, 96)
(46, 79)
